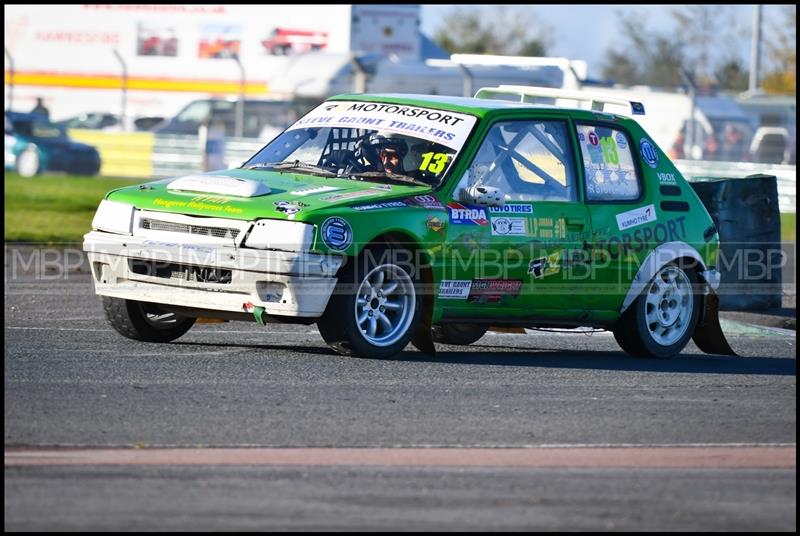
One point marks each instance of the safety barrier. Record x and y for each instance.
(122, 154)
(786, 176)
(751, 259)
(144, 154)
(149, 155)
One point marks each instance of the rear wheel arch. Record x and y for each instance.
(665, 314)
(670, 252)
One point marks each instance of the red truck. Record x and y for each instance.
(282, 41)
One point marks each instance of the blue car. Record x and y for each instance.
(35, 145)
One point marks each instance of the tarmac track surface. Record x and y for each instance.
(235, 427)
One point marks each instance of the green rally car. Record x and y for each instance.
(389, 219)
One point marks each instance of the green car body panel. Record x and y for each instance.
(557, 249)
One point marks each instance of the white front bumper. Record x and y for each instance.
(283, 283)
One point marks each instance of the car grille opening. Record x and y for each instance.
(185, 272)
(185, 228)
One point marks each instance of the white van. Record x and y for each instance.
(722, 130)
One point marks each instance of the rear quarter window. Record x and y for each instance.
(608, 164)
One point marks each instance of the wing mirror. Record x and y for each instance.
(483, 196)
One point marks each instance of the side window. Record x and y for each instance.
(607, 164)
(195, 113)
(527, 160)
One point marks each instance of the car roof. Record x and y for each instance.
(27, 116)
(457, 104)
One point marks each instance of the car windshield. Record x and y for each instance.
(371, 141)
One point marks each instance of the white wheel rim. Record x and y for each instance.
(28, 163)
(385, 304)
(668, 305)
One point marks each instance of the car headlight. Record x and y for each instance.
(114, 217)
(282, 235)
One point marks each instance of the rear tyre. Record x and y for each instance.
(458, 334)
(662, 319)
(376, 306)
(143, 321)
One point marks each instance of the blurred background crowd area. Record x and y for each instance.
(156, 88)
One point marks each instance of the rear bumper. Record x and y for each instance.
(216, 278)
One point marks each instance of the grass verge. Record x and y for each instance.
(52, 209)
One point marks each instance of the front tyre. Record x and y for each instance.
(662, 319)
(376, 307)
(143, 321)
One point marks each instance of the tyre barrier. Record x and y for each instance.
(747, 217)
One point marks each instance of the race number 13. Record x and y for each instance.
(433, 162)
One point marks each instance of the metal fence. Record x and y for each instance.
(144, 154)
(179, 155)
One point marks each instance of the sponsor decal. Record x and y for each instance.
(622, 143)
(383, 204)
(314, 190)
(596, 153)
(467, 214)
(593, 138)
(426, 201)
(544, 266)
(290, 208)
(512, 209)
(509, 226)
(450, 289)
(336, 233)
(346, 195)
(201, 202)
(667, 178)
(649, 153)
(435, 224)
(635, 241)
(549, 228)
(408, 111)
(493, 290)
(448, 128)
(636, 217)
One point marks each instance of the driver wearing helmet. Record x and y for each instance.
(387, 152)
(391, 160)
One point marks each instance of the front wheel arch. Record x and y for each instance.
(394, 318)
(424, 338)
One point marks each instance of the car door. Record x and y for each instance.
(620, 212)
(511, 261)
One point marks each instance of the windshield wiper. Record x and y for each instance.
(284, 164)
(405, 179)
(293, 164)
